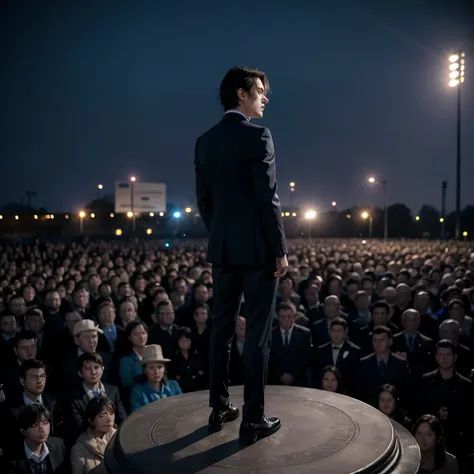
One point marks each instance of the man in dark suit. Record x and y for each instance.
(380, 316)
(411, 345)
(164, 332)
(320, 329)
(291, 349)
(338, 352)
(33, 380)
(446, 394)
(380, 368)
(237, 197)
(90, 367)
(38, 453)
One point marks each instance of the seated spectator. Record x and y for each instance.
(155, 384)
(38, 453)
(429, 435)
(89, 450)
(187, 366)
(331, 380)
(33, 380)
(130, 368)
(90, 367)
(390, 405)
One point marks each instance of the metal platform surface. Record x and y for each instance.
(321, 432)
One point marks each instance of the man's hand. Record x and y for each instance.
(281, 267)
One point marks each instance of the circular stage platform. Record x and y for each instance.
(321, 432)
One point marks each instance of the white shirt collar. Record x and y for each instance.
(233, 111)
(28, 401)
(31, 455)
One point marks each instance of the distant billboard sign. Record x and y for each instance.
(147, 197)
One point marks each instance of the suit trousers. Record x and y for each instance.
(258, 285)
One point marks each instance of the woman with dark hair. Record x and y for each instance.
(154, 384)
(429, 435)
(389, 404)
(89, 450)
(187, 366)
(331, 380)
(130, 368)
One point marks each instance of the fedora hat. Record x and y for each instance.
(85, 325)
(153, 353)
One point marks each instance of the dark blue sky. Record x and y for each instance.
(91, 94)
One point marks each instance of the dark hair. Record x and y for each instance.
(30, 415)
(333, 369)
(30, 364)
(239, 78)
(380, 304)
(201, 306)
(24, 336)
(133, 325)
(287, 306)
(96, 406)
(382, 330)
(437, 428)
(89, 357)
(398, 413)
(184, 332)
(446, 344)
(339, 322)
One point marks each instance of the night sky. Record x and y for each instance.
(90, 94)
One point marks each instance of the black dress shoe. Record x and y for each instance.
(250, 432)
(220, 416)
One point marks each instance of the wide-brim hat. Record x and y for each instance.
(153, 353)
(85, 325)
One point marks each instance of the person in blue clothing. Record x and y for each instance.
(130, 368)
(155, 385)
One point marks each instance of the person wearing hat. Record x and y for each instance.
(86, 337)
(154, 384)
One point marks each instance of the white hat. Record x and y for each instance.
(153, 353)
(85, 325)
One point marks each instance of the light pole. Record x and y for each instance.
(132, 201)
(456, 79)
(383, 182)
(82, 214)
(100, 187)
(309, 215)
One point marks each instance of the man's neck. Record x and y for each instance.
(165, 328)
(446, 373)
(36, 448)
(384, 356)
(92, 387)
(411, 333)
(31, 396)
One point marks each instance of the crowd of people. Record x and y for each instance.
(91, 332)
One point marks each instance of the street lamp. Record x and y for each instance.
(292, 190)
(100, 187)
(365, 215)
(82, 214)
(309, 216)
(132, 201)
(456, 79)
(383, 182)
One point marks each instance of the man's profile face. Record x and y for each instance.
(253, 104)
